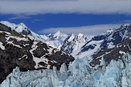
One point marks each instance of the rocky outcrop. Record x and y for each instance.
(27, 53)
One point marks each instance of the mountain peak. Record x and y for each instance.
(80, 35)
(44, 37)
(57, 33)
(72, 34)
(128, 24)
(49, 34)
(22, 24)
(21, 28)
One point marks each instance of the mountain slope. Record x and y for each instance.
(113, 53)
(108, 39)
(73, 44)
(25, 51)
(22, 28)
(80, 45)
(55, 40)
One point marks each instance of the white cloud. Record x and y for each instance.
(87, 30)
(19, 17)
(65, 6)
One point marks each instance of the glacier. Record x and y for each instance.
(79, 73)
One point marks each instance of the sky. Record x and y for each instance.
(90, 17)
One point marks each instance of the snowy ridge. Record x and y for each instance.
(79, 45)
(60, 36)
(73, 44)
(79, 74)
(116, 52)
(45, 37)
(11, 25)
(22, 28)
(109, 39)
(55, 40)
(92, 47)
(18, 28)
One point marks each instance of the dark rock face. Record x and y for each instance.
(40, 51)
(8, 29)
(113, 53)
(4, 28)
(27, 53)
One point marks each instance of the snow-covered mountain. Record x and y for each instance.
(73, 44)
(22, 28)
(58, 36)
(70, 44)
(55, 40)
(108, 39)
(113, 53)
(79, 45)
(80, 74)
(25, 51)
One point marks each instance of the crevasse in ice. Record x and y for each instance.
(79, 74)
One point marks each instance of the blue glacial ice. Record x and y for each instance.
(79, 74)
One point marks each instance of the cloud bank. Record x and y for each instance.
(87, 30)
(65, 6)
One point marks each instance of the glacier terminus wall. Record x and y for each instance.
(79, 74)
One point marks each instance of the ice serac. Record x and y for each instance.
(102, 62)
(63, 68)
(79, 74)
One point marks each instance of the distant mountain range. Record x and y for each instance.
(106, 40)
(79, 45)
